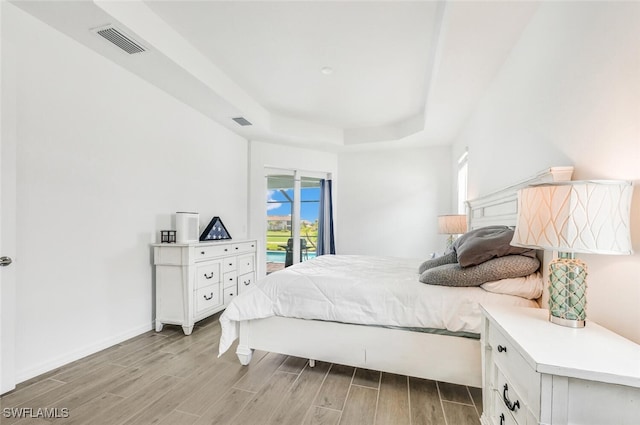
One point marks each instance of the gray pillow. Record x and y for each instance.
(438, 261)
(485, 243)
(506, 267)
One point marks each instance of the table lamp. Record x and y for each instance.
(573, 217)
(452, 225)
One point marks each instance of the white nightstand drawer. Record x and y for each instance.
(238, 248)
(245, 264)
(515, 368)
(228, 264)
(207, 274)
(207, 297)
(245, 281)
(211, 251)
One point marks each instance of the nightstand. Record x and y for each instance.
(536, 372)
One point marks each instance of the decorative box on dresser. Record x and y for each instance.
(536, 372)
(195, 280)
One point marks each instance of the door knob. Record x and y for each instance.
(5, 261)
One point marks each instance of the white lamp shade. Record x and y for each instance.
(577, 216)
(454, 224)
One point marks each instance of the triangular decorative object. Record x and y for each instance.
(215, 231)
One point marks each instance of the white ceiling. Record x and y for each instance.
(404, 73)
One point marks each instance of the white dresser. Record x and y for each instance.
(536, 372)
(196, 280)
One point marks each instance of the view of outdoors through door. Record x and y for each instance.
(281, 219)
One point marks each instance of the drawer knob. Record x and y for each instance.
(501, 418)
(231, 264)
(208, 276)
(247, 282)
(502, 349)
(209, 297)
(202, 252)
(236, 247)
(511, 406)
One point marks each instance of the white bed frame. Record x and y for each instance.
(431, 356)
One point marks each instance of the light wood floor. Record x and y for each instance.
(170, 379)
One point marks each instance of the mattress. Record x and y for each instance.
(363, 290)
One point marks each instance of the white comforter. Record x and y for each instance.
(362, 290)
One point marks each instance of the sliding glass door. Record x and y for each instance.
(293, 208)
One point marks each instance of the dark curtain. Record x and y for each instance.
(326, 242)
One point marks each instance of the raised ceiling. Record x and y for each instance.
(395, 72)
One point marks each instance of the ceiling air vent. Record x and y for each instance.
(120, 39)
(242, 121)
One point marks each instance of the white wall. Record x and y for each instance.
(570, 95)
(104, 160)
(263, 155)
(389, 201)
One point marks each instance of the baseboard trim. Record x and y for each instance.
(45, 367)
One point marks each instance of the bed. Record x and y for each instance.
(323, 309)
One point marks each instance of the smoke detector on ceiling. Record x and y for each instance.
(118, 37)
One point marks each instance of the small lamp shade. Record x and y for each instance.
(455, 224)
(573, 217)
(452, 224)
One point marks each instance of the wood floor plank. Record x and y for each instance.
(23, 395)
(51, 397)
(333, 392)
(258, 373)
(360, 408)
(460, 414)
(260, 407)
(33, 421)
(293, 364)
(322, 416)
(476, 396)
(139, 400)
(179, 418)
(226, 408)
(297, 400)
(393, 401)
(86, 413)
(140, 376)
(425, 402)
(454, 392)
(367, 378)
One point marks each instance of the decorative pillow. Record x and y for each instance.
(437, 261)
(529, 287)
(495, 269)
(479, 245)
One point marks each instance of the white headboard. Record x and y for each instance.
(501, 207)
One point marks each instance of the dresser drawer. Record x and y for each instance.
(207, 274)
(245, 281)
(228, 264)
(502, 415)
(211, 251)
(238, 248)
(230, 279)
(515, 369)
(511, 399)
(207, 297)
(245, 264)
(229, 293)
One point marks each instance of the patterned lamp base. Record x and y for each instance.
(568, 291)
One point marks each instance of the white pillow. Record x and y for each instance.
(529, 287)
